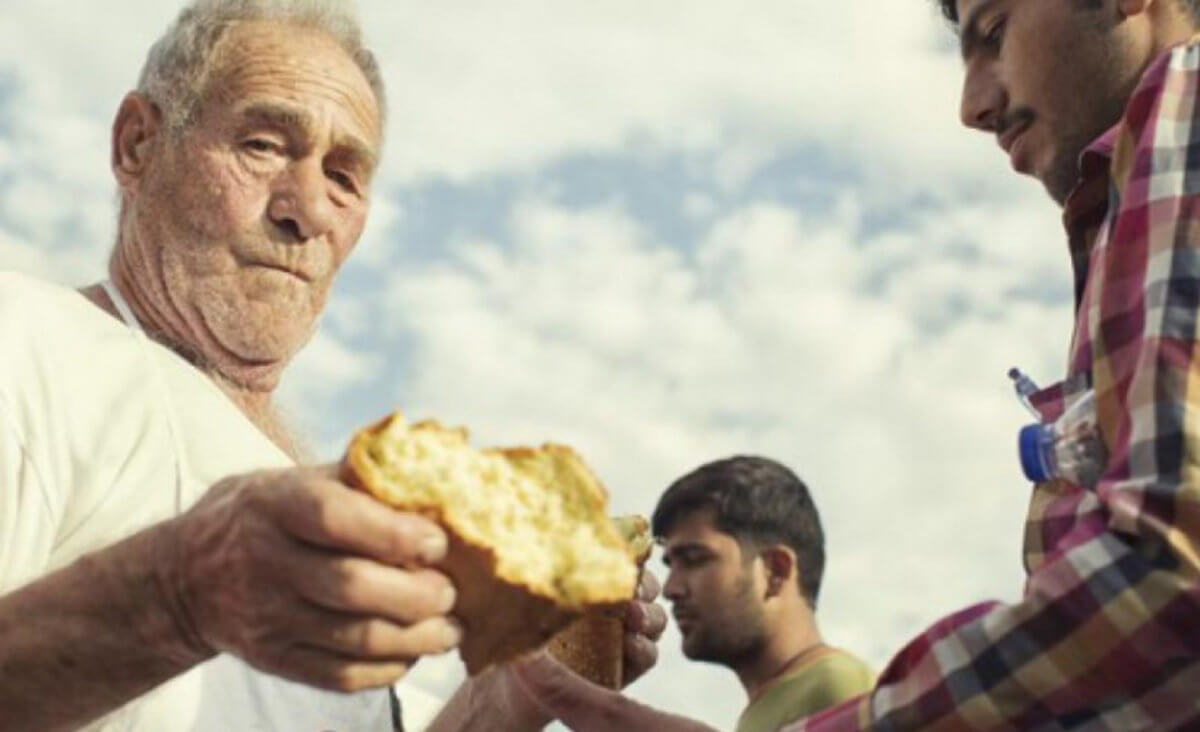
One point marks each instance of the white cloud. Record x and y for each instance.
(315, 381)
(578, 326)
(475, 91)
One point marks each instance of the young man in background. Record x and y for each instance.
(746, 553)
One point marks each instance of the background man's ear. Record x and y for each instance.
(780, 564)
(137, 124)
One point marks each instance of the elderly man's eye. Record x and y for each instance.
(344, 180)
(260, 145)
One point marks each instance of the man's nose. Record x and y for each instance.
(673, 587)
(983, 99)
(301, 204)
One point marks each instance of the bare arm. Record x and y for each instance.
(89, 637)
(586, 707)
(490, 702)
(289, 570)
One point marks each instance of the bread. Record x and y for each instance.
(594, 645)
(531, 546)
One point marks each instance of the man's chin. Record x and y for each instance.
(249, 377)
(1059, 187)
(255, 363)
(694, 651)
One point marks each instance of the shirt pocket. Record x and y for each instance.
(1054, 505)
(1052, 401)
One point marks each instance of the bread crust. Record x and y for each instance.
(593, 646)
(502, 617)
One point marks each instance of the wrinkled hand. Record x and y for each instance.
(308, 579)
(645, 621)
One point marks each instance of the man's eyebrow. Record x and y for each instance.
(277, 115)
(682, 549)
(300, 120)
(359, 152)
(968, 29)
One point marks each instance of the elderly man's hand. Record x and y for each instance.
(306, 578)
(645, 621)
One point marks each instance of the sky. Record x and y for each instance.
(663, 233)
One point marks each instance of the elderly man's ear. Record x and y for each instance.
(137, 124)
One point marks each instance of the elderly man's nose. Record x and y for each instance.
(301, 205)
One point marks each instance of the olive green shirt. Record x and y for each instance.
(826, 680)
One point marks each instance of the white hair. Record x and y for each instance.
(176, 71)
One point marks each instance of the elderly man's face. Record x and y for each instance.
(249, 213)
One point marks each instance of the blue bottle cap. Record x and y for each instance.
(1029, 442)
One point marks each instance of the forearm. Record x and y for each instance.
(489, 702)
(1100, 626)
(88, 638)
(552, 688)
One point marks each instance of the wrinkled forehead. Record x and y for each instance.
(262, 62)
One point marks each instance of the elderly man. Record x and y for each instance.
(141, 587)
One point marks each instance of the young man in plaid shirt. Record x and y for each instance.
(1100, 101)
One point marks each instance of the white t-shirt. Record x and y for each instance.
(103, 432)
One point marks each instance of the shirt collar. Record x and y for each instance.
(1087, 205)
(1085, 209)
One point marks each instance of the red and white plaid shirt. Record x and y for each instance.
(1108, 634)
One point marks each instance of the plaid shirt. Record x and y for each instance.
(1108, 634)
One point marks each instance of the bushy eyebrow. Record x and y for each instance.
(968, 29)
(299, 121)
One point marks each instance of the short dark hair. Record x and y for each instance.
(950, 8)
(756, 501)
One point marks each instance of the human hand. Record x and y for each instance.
(645, 620)
(306, 578)
(552, 691)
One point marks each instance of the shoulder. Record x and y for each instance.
(35, 309)
(17, 290)
(1165, 91)
(43, 321)
(30, 311)
(1150, 147)
(64, 358)
(830, 679)
(840, 673)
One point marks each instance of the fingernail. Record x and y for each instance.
(433, 548)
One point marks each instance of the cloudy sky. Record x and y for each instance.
(662, 232)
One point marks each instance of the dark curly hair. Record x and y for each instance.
(950, 8)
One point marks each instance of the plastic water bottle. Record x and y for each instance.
(1025, 389)
(1069, 448)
